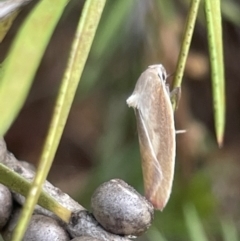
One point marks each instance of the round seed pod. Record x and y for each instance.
(45, 228)
(40, 228)
(120, 209)
(11, 224)
(85, 238)
(5, 205)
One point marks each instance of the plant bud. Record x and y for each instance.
(120, 209)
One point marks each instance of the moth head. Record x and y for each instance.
(162, 74)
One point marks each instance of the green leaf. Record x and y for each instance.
(214, 28)
(17, 183)
(24, 58)
(229, 230)
(84, 36)
(187, 38)
(155, 235)
(193, 223)
(6, 23)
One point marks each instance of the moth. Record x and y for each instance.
(156, 133)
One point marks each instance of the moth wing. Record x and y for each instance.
(152, 172)
(156, 134)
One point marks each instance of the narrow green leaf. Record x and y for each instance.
(155, 235)
(193, 223)
(84, 36)
(214, 28)
(6, 23)
(24, 57)
(229, 230)
(17, 183)
(187, 38)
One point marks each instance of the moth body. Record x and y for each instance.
(156, 133)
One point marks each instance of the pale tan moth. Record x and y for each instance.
(156, 133)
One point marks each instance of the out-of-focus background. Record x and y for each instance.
(100, 140)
